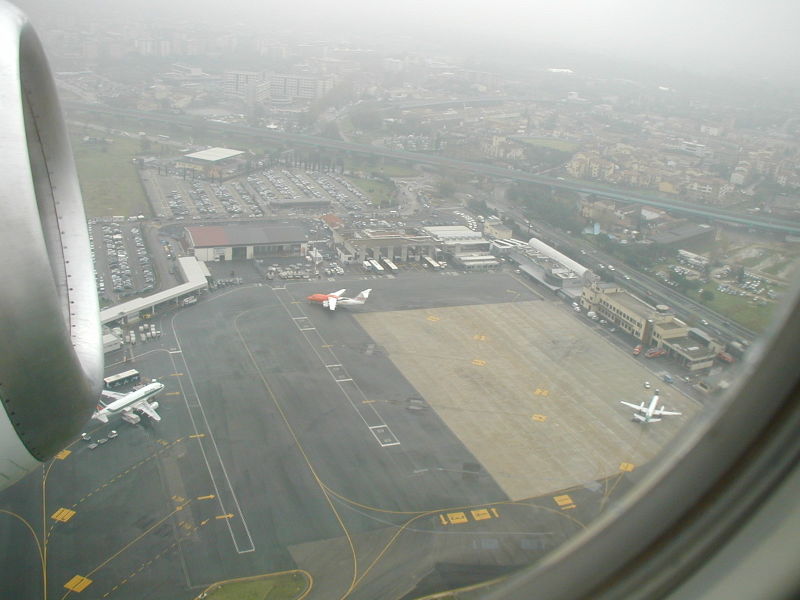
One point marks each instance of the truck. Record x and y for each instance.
(111, 342)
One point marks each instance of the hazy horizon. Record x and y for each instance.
(732, 38)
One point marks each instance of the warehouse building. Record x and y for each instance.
(401, 245)
(466, 248)
(212, 162)
(240, 242)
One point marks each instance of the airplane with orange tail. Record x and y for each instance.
(335, 299)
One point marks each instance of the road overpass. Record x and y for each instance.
(674, 206)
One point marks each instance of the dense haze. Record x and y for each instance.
(736, 38)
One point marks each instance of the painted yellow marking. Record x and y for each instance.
(457, 517)
(478, 362)
(627, 467)
(479, 337)
(326, 346)
(442, 520)
(494, 512)
(63, 454)
(176, 374)
(78, 583)
(228, 516)
(564, 502)
(209, 497)
(172, 394)
(179, 499)
(541, 392)
(481, 515)
(198, 435)
(368, 402)
(204, 522)
(540, 418)
(63, 515)
(433, 318)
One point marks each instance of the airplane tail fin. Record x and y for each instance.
(362, 297)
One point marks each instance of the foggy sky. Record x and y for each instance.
(746, 37)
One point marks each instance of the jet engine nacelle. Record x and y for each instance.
(51, 361)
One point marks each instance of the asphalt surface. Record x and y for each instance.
(289, 440)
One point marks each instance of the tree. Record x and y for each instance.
(445, 188)
(365, 119)
(707, 295)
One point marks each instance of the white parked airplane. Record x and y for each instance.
(129, 404)
(336, 299)
(648, 414)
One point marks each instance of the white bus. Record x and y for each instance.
(390, 265)
(376, 266)
(121, 379)
(428, 261)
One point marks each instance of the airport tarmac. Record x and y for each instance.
(291, 439)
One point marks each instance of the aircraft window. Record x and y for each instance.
(392, 307)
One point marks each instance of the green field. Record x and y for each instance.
(286, 586)
(379, 192)
(553, 144)
(739, 309)
(396, 170)
(109, 182)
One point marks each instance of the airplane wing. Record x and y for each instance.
(337, 294)
(112, 395)
(637, 407)
(100, 416)
(145, 407)
(661, 412)
(332, 302)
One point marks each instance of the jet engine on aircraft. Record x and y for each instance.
(50, 352)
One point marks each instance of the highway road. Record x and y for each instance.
(676, 206)
(645, 286)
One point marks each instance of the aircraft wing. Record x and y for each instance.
(637, 407)
(100, 416)
(112, 395)
(332, 302)
(145, 407)
(661, 412)
(337, 294)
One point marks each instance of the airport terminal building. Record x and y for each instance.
(241, 242)
(546, 265)
(653, 326)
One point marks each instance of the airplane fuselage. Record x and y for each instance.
(129, 400)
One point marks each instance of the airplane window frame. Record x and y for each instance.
(703, 490)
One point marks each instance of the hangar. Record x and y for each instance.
(235, 242)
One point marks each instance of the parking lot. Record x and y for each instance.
(259, 194)
(123, 264)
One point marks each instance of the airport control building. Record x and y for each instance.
(235, 242)
(654, 326)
